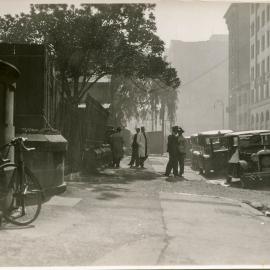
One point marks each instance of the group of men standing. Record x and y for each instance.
(139, 148)
(176, 148)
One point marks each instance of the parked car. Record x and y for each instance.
(194, 152)
(249, 157)
(213, 151)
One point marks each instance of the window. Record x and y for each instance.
(252, 96)
(268, 38)
(268, 12)
(257, 95)
(268, 63)
(257, 23)
(252, 121)
(267, 90)
(263, 42)
(252, 8)
(245, 98)
(252, 29)
(239, 100)
(257, 118)
(267, 116)
(252, 73)
(263, 18)
(263, 67)
(252, 51)
(262, 117)
(258, 47)
(257, 69)
(261, 93)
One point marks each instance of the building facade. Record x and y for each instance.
(237, 20)
(260, 65)
(249, 65)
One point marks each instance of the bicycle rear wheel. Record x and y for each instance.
(24, 200)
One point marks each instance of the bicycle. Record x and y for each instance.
(21, 191)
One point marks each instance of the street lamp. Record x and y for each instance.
(219, 101)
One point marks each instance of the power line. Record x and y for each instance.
(213, 67)
(206, 72)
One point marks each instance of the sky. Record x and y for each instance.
(176, 19)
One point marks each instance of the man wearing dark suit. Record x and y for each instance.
(173, 152)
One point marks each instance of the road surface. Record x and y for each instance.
(134, 217)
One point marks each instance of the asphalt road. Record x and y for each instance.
(134, 217)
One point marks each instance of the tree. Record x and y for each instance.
(92, 41)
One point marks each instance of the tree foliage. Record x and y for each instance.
(92, 41)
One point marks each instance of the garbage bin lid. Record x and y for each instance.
(8, 73)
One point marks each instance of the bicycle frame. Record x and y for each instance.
(19, 165)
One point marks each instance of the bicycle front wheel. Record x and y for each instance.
(24, 199)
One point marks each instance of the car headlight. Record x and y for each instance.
(254, 157)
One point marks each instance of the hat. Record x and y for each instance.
(175, 128)
(180, 130)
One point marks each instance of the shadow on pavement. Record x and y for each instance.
(105, 184)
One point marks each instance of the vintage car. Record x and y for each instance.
(194, 152)
(213, 151)
(249, 157)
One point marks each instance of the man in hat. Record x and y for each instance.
(181, 150)
(173, 152)
(117, 146)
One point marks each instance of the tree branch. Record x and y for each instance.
(83, 92)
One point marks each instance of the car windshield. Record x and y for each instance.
(250, 141)
(217, 143)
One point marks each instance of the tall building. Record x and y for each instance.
(237, 19)
(260, 65)
(249, 65)
(203, 70)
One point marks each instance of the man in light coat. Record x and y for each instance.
(134, 146)
(142, 147)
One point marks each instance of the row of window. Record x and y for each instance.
(260, 19)
(260, 94)
(261, 45)
(261, 68)
(257, 121)
(263, 116)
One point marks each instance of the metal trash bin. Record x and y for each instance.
(47, 162)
